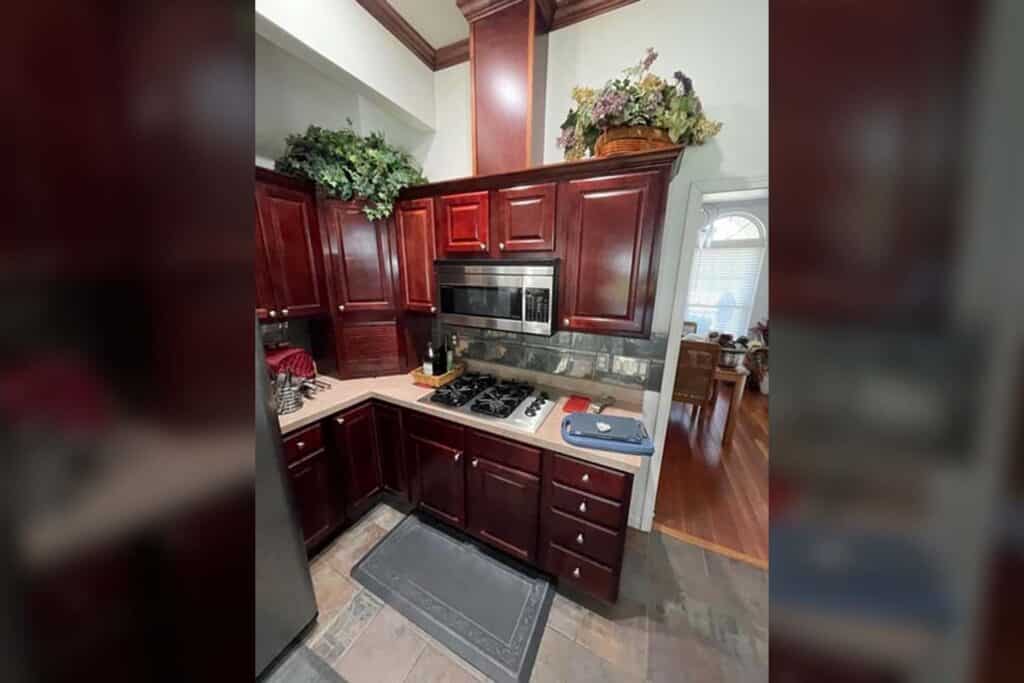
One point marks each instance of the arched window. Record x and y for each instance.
(726, 268)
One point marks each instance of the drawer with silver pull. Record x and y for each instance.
(590, 478)
(303, 442)
(588, 506)
(581, 572)
(588, 539)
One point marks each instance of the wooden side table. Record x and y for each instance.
(738, 378)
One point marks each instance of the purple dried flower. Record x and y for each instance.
(684, 81)
(649, 58)
(567, 140)
(609, 103)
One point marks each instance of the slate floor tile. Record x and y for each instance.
(384, 652)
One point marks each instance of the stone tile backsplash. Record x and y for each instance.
(627, 362)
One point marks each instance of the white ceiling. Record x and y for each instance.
(439, 21)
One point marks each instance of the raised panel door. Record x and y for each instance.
(264, 285)
(415, 223)
(388, 420)
(612, 228)
(441, 475)
(361, 253)
(503, 506)
(356, 441)
(524, 218)
(310, 483)
(464, 222)
(289, 219)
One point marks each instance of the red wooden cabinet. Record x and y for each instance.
(611, 227)
(414, 220)
(310, 482)
(355, 441)
(523, 219)
(388, 420)
(265, 302)
(360, 253)
(463, 223)
(503, 504)
(434, 451)
(290, 236)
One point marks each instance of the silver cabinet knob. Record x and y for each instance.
(565, 321)
(483, 247)
(583, 506)
(458, 456)
(340, 420)
(501, 245)
(272, 313)
(585, 478)
(341, 307)
(579, 539)
(433, 309)
(475, 462)
(300, 445)
(284, 311)
(576, 573)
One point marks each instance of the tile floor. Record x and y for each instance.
(684, 615)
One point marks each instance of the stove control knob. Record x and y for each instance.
(544, 395)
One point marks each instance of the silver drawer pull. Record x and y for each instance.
(585, 478)
(483, 247)
(576, 573)
(579, 539)
(458, 456)
(340, 420)
(300, 445)
(475, 462)
(583, 506)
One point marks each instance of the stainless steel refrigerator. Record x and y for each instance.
(285, 605)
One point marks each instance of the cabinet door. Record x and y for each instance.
(463, 222)
(310, 482)
(441, 473)
(356, 441)
(264, 285)
(361, 255)
(293, 241)
(415, 222)
(524, 218)
(369, 349)
(503, 507)
(388, 420)
(611, 227)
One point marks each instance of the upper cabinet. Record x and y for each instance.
(414, 220)
(611, 227)
(360, 252)
(288, 232)
(463, 223)
(523, 219)
(265, 302)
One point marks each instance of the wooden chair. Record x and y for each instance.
(695, 374)
(689, 327)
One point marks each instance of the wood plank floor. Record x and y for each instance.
(723, 507)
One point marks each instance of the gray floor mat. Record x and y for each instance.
(489, 611)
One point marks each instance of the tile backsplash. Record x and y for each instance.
(622, 361)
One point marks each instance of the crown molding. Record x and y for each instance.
(475, 10)
(569, 12)
(450, 55)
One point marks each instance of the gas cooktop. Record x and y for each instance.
(517, 404)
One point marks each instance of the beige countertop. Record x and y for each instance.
(400, 390)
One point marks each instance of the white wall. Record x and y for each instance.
(342, 35)
(722, 45)
(450, 153)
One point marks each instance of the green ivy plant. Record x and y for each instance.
(346, 165)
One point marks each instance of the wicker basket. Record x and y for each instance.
(629, 140)
(436, 380)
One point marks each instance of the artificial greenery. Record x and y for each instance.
(639, 99)
(346, 165)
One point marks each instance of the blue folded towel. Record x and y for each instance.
(624, 434)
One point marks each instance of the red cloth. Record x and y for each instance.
(291, 359)
(576, 404)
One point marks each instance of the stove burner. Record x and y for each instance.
(501, 399)
(459, 391)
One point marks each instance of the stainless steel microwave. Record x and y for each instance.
(512, 294)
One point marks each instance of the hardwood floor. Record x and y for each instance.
(723, 507)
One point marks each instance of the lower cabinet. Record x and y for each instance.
(311, 487)
(388, 420)
(441, 479)
(355, 441)
(503, 504)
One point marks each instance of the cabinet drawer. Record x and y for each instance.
(302, 443)
(432, 429)
(585, 538)
(509, 453)
(586, 506)
(589, 576)
(590, 478)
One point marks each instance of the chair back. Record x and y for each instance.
(695, 374)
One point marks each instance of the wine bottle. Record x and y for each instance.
(429, 360)
(451, 353)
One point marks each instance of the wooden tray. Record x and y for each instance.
(437, 380)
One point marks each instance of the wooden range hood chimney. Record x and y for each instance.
(508, 69)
